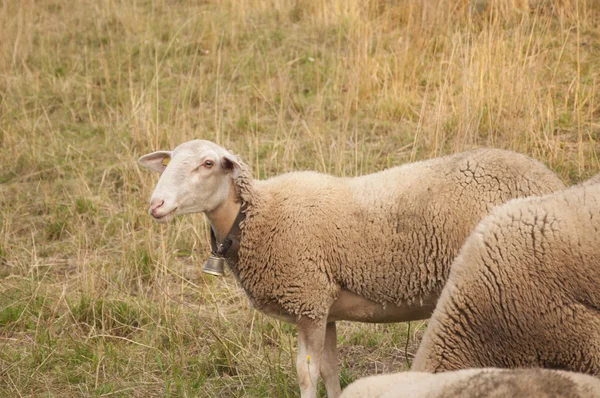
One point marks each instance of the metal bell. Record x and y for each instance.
(214, 266)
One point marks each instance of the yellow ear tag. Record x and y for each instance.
(166, 161)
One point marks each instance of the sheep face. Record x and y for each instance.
(195, 177)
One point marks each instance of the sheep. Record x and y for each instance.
(475, 383)
(312, 249)
(592, 180)
(524, 290)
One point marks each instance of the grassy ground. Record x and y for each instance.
(97, 300)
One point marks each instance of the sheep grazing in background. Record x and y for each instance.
(477, 383)
(525, 289)
(313, 249)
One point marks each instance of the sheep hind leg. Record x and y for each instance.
(311, 341)
(329, 370)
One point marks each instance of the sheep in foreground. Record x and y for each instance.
(592, 180)
(312, 249)
(476, 383)
(524, 291)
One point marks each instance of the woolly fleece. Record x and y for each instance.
(389, 237)
(476, 383)
(593, 180)
(524, 291)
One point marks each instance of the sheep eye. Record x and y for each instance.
(209, 164)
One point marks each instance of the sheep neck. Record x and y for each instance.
(222, 218)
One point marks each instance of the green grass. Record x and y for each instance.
(96, 300)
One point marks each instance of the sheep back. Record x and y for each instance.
(524, 290)
(475, 383)
(389, 237)
(592, 180)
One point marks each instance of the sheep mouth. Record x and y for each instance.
(165, 217)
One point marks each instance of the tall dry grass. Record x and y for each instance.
(97, 300)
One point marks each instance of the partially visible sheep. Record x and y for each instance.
(315, 249)
(476, 383)
(525, 289)
(592, 180)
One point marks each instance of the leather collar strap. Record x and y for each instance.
(231, 244)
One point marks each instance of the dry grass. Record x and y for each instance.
(97, 300)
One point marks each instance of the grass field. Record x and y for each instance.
(96, 300)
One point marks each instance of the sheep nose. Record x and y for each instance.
(154, 205)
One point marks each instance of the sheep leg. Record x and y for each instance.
(329, 370)
(311, 341)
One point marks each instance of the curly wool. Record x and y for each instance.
(524, 291)
(475, 383)
(389, 237)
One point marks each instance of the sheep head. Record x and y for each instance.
(195, 177)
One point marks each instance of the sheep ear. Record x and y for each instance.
(156, 161)
(230, 163)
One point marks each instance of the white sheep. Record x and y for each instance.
(476, 383)
(525, 289)
(592, 180)
(314, 248)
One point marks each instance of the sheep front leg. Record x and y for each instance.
(329, 370)
(311, 340)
